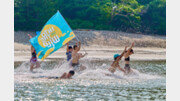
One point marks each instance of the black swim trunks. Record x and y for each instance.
(75, 66)
(127, 67)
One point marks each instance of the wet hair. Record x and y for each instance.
(74, 46)
(70, 47)
(131, 51)
(115, 58)
(71, 72)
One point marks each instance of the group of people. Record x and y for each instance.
(73, 57)
(126, 54)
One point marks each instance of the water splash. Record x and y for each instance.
(94, 72)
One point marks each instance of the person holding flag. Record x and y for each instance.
(55, 33)
(33, 59)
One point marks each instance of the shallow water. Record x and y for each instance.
(148, 82)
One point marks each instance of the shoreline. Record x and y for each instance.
(104, 38)
(100, 45)
(141, 54)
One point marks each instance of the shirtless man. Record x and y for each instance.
(75, 58)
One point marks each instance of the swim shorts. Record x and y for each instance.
(127, 67)
(75, 66)
(33, 60)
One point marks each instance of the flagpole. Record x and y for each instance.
(72, 30)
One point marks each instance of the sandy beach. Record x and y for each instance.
(100, 45)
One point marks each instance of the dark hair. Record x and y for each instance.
(70, 47)
(115, 58)
(71, 72)
(131, 51)
(74, 46)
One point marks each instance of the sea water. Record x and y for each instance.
(147, 83)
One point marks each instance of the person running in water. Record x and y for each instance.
(64, 76)
(75, 58)
(115, 63)
(67, 75)
(69, 52)
(127, 59)
(33, 59)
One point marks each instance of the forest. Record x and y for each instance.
(135, 16)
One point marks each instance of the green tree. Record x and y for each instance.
(154, 20)
(147, 16)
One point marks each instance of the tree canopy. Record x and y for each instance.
(145, 16)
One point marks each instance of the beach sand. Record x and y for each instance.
(100, 45)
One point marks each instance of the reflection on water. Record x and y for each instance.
(91, 84)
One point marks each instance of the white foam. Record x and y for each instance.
(98, 73)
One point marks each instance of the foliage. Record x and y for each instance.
(147, 16)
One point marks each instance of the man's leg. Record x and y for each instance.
(127, 69)
(37, 64)
(31, 67)
(131, 71)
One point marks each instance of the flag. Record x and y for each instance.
(55, 33)
(37, 32)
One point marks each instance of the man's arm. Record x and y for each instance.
(119, 57)
(132, 45)
(29, 36)
(63, 76)
(81, 56)
(32, 49)
(121, 69)
(67, 49)
(79, 47)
